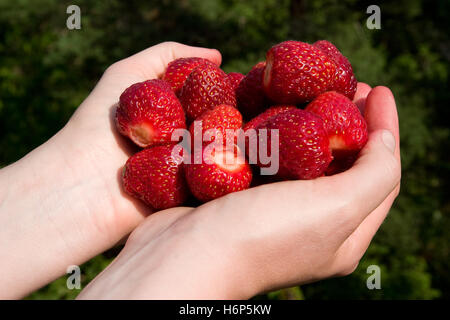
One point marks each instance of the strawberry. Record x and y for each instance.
(156, 177)
(221, 118)
(266, 115)
(346, 127)
(259, 121)
(217, 173)
(304, 151)
(345, 82)
(297, 72)
(206, 87)
(148, 113)
(235, 79)
(178, 70)
(250, 93)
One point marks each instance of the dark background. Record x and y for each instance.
(46, 70)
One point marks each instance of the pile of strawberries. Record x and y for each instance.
(300, 99)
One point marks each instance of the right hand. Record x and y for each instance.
(268, 237)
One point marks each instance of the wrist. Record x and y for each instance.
(46, 223)
(27, 222)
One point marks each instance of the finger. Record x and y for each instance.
(362, 91)
(152, 62)
(377, 171)
(357, 243)
(147, 64)
(382, 114)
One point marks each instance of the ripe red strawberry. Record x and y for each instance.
(346, 127)
(221, 118)
(304, 151)
(266, 115)
(214, 176)
(156, 177)
(235, 79)
(250, 93)
(259, 121)
(297, 72)
(178, 70)
(149, 112)
(345, 82)
(206, 87)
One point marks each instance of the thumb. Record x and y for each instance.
(372, 178)
(377, 171)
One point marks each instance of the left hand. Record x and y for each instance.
(63, 204)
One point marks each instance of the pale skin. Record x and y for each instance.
(63, 204)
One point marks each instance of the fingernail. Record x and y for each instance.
(388, 140)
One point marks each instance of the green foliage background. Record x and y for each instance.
(46, 70)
